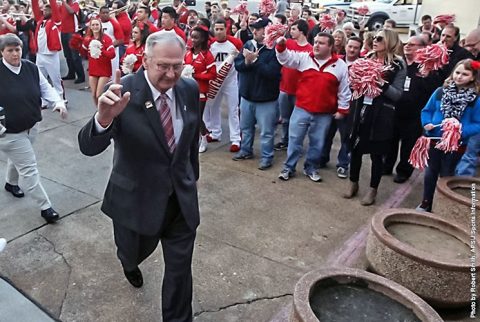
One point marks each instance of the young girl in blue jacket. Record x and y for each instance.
(457, 98)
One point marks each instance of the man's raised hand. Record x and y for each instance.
(112, 102)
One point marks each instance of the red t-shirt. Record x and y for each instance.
(126, 25)
(290, 76)
(102, 66)
(69, 21)
(137, 51)
(205, 70)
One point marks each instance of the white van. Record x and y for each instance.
(404, 12)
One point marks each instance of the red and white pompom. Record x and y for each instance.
(241, 8)
(128, 62)
(327, 23)
(95, 48)
(419, 155)
(267, 7)
(432, 57)
(447, 19)
(272, 33)
(365, 77)
(451, 135)
(363, 10)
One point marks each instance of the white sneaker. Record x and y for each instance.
(3, 243)
(203, 144)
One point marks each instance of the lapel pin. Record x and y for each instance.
(184, 107)
(148, 104)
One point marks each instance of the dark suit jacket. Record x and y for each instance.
(144, 173)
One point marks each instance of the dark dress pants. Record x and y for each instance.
(177, 241)
(74, 61)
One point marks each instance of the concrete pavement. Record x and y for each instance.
(258, 235)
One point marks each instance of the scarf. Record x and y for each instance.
(455, 100)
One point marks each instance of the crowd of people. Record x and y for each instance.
(303, 83)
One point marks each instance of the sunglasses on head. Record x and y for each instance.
(378, 38)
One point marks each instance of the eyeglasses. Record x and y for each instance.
(166, 67)
(378, 38)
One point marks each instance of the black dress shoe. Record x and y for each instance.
(400, 179)
(50, 215)
(14, 190)
(134, 277)
(79, 81)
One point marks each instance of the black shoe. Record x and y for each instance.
(68, 77)
(134, 277)
(79, 81)
(400, 179)
(14, 190)
(280, 146)
(50, 215)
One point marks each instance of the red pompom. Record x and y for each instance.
(475, 64)
(447, 19)
(76, 42)
(451, 134)
(365, 77)
(267, 7)
(273, 32)
(241, 8)
(432, 57)
(419, 155)
(363, 10)
(327, 23)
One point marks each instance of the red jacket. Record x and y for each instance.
(126, 24)
(52, 25)
(290, 76)
(102, 66)
(205, 69)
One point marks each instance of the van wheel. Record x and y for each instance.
(376, 23)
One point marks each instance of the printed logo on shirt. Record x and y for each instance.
(220, 57)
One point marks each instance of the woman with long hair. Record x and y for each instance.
(340, 41)
(140, 32)
(372, 118)
(457, 98)
(203, 63)
(99, 49)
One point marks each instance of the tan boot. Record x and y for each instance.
(352, 190)
(369, 198)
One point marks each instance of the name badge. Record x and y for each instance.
(406, 86)
(367, 100)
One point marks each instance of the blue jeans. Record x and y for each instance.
(301, 124)
(468, 163)
(286, 103)
(343, 160)
(265, 114)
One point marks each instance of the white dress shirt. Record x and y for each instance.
(174, 110)
(48, 93)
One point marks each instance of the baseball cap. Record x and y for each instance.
(260, 23)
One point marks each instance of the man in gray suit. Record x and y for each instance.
(153, 118)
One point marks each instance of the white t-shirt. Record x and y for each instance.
(220, 51)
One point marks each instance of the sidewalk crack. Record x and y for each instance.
(66, 263)
(242, 303)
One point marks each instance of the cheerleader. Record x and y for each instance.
(98, 47)
(140, 32)
(458, 98)
(203, 63)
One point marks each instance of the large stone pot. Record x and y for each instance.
(424, 253)
(320, 296)
(453, 200)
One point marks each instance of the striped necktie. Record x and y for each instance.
(167, 122)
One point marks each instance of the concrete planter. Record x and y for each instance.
(313, 283)
(453, 206)
(441, 280)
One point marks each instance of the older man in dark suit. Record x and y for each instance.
(153, 118)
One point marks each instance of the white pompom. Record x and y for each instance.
(95, 48)
(130, 59)
(188, 71)
(127, 68)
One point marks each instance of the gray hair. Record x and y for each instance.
(163, 37)
(10, 40)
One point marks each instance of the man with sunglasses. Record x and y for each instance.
(407, 125)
